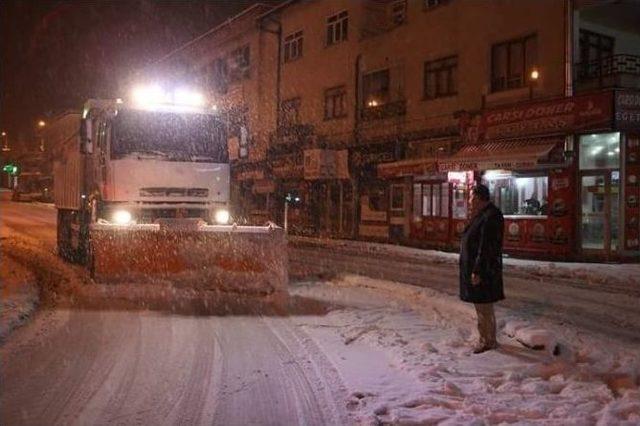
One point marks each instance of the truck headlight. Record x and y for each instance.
(222, 216)
(122, 217)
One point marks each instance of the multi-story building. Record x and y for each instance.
(380, 115)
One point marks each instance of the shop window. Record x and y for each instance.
(293, 46)
(460, 201)
(600, 151)
(518, 193)
(511, 62)
(335, 103)
(444, 195)
(417, 202)
(396, 197)
(375, 88)
(337, 28)
(440, 78)
(435, 199)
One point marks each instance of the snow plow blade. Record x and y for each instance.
(226, 258)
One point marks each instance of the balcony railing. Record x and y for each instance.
(612, 71)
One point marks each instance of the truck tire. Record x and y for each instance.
(64, 235)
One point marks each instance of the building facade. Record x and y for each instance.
(380, 115)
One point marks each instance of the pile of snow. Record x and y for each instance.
(19, 295)
(404, 353)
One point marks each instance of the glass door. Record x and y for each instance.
(600, 211)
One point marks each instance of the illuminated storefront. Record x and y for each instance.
(565, 173)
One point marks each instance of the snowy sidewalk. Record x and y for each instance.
(590, 273)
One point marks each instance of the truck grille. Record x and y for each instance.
(174, 192)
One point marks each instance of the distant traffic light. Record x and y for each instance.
(11, 169)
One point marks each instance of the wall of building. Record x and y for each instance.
(321, 67)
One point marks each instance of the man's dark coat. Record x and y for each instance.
(481, 253)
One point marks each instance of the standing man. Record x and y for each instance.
(481, 264)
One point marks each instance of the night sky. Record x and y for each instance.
(56, 54)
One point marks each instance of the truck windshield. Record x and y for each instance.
(168, 136)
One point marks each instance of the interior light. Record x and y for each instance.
(617, 150)
(495, 174)
(610, 153)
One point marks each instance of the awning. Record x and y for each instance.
(508, 155)
(413, 167)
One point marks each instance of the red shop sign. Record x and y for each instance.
(564, 115)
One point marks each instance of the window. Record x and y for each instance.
(337, 28)
(335, 103)
(594, 49)
(239, 62)
(396, 196)
(440, 78)
(375, 87)
(435, 199)
(433, 3)
(511, 61)
(518, 193)
(594, 46)
(600, 151)
(293, 46)
(399, 11)
(290, 112)
(219, 75)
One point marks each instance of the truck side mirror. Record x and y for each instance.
(86, 143)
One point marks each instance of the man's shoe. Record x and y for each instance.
(479, 348)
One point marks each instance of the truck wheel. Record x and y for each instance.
(64, 235)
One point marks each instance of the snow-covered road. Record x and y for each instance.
(390, 348)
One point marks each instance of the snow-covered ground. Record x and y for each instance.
(350, 350)
(590, 273)
(404, 353)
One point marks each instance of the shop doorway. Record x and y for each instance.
(600, 212)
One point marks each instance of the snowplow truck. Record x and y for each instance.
(143, 194)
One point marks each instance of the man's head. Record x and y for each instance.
(479, 197)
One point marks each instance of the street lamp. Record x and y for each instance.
(5, 142)
(533, 79)
(41, 125)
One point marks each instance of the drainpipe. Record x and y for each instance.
(278, 33)
(568, 48)
(355, 187)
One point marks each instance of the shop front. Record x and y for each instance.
(565, 173)
(287, 172)
(530, 181)
(326, 172)
(372, 211)
(251, 193)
